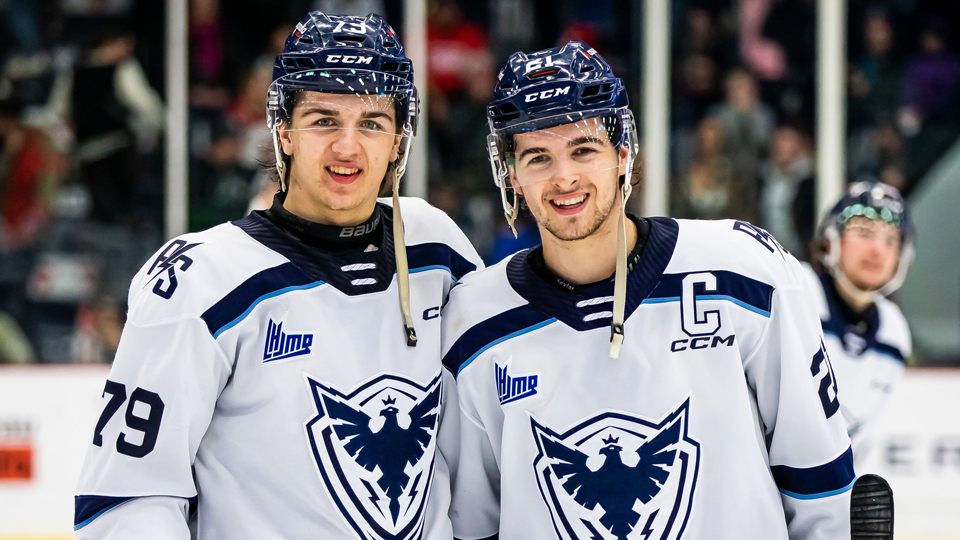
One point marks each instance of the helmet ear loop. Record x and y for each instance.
(831, 256)
(501, 176)
(400, 165)
(906, 257)
(278, 155)
(510, 208)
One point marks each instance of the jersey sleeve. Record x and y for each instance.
(810, 457)
(157, 404)
(144, 518)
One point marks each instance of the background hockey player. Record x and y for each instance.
(632, 378)
(266, 376)
(862, 251)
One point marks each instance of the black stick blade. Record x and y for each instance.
(871, 509)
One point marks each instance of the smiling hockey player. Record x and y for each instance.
(632, 378)
(281, 373)
(863, 249)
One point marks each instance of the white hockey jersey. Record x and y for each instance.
(868, 360)
(718, 420)
(270, 384)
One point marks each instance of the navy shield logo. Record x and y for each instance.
(619, 476)
(375, 450)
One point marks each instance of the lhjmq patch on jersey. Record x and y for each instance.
(375, 450)
(619, 476)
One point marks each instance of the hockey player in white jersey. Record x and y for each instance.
(862, 251)
(632, 378)
(281, 374)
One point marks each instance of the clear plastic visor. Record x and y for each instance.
(531, 154)
(332, 103)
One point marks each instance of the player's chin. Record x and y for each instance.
(571, 228)
(342, 197)
(867, 282)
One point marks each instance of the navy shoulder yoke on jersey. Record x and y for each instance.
(286, 265)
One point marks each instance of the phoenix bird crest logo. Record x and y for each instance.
(374, 449)
(619, 476)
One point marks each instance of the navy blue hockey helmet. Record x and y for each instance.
(345, 55)
(876, 201)
(568, 82)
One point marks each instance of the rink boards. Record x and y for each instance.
(47, 416)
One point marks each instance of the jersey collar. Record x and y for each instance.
(590, 307)
(353, 272)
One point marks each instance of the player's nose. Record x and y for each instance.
(346, 142)
(565, 173)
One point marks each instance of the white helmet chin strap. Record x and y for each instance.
(399, 245)
(858, 294)
(620, 275)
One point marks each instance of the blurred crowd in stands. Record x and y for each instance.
(82, 117)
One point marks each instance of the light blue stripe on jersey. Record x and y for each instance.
(497, 329)
(740, 303)
(816, 482)
(802, 497)
(661, 300)
(284, 290)
(736, 301)
(90, 507)
(504, 338)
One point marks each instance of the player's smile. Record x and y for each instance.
(344, 173)
(569, 204)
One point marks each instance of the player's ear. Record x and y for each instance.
(286, 143)
(624, 153)
(513, 180)
(395, 150)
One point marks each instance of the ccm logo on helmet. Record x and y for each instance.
(553, 92)
(346, 59)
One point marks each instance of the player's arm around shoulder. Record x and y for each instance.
(159, 396)
(796, 394)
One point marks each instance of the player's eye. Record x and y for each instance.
(584, 151)
(538, 159)
(325, 122)
(371, 125)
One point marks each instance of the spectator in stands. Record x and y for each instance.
(787, 195)
(710, 187)
(876, 79)
(931, 78)
(748, 124)
(928, 102)
(457, 49)
(206, 42)
(461, 74)
(28, 177)
(112, 105)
